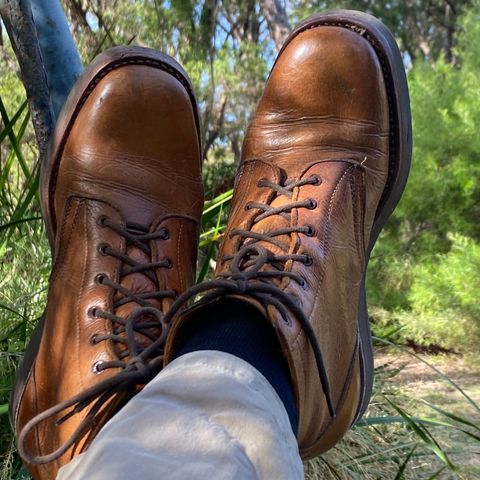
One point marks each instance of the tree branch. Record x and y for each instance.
(61, 59)
(276, 15)
(18, 20)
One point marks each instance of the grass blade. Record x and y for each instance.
(211, 207)
(18, 326)
(452, 416)
(380, 454)
(206, 263)
(22, 220)
(210, 237)
(437, 473)
(424, 435)
(401, 470)
(4, 306)
(25, 202)
(11, 122)
(392, 419)
(15, 140)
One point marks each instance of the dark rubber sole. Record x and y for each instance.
(103, 64)
(386, 49)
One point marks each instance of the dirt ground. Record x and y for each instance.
(426, 382)
(420, 381)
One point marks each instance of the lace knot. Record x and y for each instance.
(138, 363)
(241, 281)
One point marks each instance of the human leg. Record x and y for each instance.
(324, 163)
(208, 415)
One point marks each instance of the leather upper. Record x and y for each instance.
(314, 166)
(136, 128)
(126, 150)
(324, 113)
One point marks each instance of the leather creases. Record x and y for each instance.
(138, 339)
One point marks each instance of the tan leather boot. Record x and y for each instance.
(324, 163)
(122, 197)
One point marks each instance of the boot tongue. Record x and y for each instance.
(273, 223)
(137, 283)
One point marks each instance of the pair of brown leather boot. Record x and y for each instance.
(325, 160)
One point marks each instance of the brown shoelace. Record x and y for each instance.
(124, 330)
(248, 276)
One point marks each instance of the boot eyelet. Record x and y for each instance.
(261, 182)
(247, 206)
(102, 248)
(310, 231)
(316, 180)
(168, 263)
(92, 312)
(287, 321)
(97, 367)
(308, 261)
(165, 234)
(100, 278)
(101, 220)
(312, 204)
(93, 340)
(303, 283)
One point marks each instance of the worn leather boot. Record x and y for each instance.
(122, 197)
(324, 163)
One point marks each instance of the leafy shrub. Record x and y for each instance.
(423, 274)
(444, 297)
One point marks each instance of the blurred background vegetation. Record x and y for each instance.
(424, 276)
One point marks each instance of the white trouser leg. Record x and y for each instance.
(207, 416)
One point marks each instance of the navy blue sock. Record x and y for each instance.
(237, 328)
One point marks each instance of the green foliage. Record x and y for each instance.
(424, 29)
(444, 297)
(423, 273)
